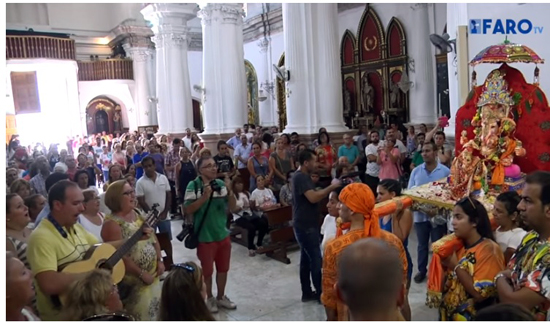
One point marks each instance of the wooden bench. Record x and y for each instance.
(166, 246)
(239, 235)
(281, 234)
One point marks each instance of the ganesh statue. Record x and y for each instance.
(506, 119)
(487, 159)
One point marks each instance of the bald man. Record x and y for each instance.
(370, 281)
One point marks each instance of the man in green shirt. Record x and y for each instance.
(417, 155)
(214, 242)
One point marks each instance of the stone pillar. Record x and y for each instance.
(224, 79)
(142, 52)
(457, 15)
(423, 106)
(174, 105)
(314, 97)
(266, 85)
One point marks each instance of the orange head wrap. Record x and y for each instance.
(358, 197)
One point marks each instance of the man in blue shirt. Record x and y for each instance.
(136, 160)
(429, 171)
(349, 150)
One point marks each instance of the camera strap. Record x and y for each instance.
(205, 214)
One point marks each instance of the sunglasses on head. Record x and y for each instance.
(186, 267)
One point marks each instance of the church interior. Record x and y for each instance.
(75, 70)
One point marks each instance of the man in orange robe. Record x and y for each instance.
(356, 210)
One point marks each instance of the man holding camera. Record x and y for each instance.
(214, 243)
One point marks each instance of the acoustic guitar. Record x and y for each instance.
(105, 256)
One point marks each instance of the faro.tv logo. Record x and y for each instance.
(503, 26)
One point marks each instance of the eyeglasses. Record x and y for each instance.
(210, 166)
(129, 193)
(186, 267)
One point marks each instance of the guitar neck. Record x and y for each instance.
(125, 248)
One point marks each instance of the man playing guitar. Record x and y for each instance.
(57, 241)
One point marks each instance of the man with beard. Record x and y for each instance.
(373, 168)
(59, 240)
(527, 279)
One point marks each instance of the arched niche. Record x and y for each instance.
(103, 115)
(347, 48)
(397, 42)
(371, 37)
(252, 93)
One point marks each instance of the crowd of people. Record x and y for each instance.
(101, 188)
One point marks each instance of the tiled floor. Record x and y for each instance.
(268, 290)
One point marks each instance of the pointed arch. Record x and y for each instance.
(371, 37)
(397, 40)
(252, 93)
(347, 48)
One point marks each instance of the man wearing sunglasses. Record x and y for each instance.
(214, 242)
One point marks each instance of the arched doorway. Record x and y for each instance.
(252, 93)
(103, 114)
(281, 97)
(197, 115)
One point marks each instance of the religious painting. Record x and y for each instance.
(252, 93)
(25, 92)
(281, 97)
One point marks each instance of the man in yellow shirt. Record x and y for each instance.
(56, 241)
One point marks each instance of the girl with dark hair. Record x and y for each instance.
(183, 295)
(327, 158)
(470, 271)
(509, 234)
(399, 223)
(285, 196)
(244, 217)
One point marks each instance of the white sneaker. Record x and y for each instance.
(212, 305)
(225, 302)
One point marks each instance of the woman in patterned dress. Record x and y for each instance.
(471, 270)
(140, 288)
(326, 158)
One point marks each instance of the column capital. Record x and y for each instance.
(139, 54)
(170, 39)
(229, 13)
(169, 16)
(133, 33)
(263, 44)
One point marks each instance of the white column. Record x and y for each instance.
(422, 95)
(311, 55)
(266, 84)
(328, 69)
(141, 57)
(457, 15)
(174, 106)
(224, 79)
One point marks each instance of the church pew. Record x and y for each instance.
(281, 234)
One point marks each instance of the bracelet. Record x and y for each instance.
(457, 267)
(499, 275)
(141, 274)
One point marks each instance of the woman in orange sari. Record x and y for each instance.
(470, 271)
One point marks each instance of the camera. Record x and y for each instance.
(215, 186)
(186, 228)
(349, 178)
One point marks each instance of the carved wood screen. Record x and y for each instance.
(25, 92)
(372, 65)
(281, 97)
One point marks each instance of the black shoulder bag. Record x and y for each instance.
(192, 239)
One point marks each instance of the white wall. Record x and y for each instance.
(194, 59)
(538, 13)
(120, 91)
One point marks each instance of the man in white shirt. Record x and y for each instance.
(249, 135)
(235, 141)
(373, 168)
(154, 188)
(187, 139)
(242, 152)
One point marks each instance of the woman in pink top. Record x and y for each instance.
(118, 156)
(389, 161)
